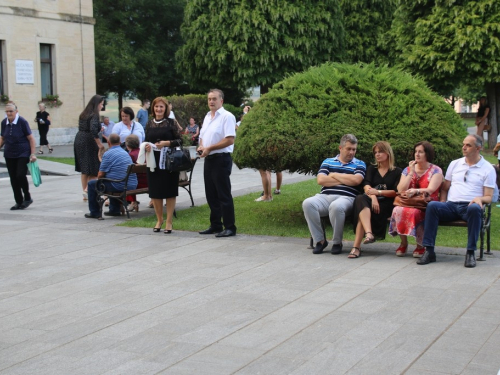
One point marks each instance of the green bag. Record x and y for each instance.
(35, 173)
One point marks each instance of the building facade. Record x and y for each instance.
(47, 49)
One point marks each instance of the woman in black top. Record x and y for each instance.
(162, 132)
(87, 144)
(372, 208)
(482, 115)
(43, 121)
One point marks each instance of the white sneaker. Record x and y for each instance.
(261, 199)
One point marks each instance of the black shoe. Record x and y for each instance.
(470, 259)
(90, 216)
(318, 249)
(427, 258)
(336, 248)
(226, 233)
(16, 207)
(210, 231)
(27, 203)
(112, 213)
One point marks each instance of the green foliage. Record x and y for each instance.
(447, 42)
(236, 111)
(189, 105)
(300, 121)
(136, 41)
(249, 43)
(52, 101)
(366, 23)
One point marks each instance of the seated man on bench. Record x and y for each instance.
(468, 184)
(339, 177)
(114, 166)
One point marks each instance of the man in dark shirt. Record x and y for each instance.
(19, 150)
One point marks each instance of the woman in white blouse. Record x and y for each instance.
(128, 126)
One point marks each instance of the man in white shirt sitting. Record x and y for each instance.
(468, 184)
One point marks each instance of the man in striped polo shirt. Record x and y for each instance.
(114, 166)
(339, 177)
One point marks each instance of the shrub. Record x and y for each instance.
(236, 111)
(300, 121)
(189, 105)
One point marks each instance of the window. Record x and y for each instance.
(46, 76)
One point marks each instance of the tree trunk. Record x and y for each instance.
(493, 93)
(120, 102)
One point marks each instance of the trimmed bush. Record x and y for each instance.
(300, 121)
(186, 106)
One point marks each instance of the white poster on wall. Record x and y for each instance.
(25, 72)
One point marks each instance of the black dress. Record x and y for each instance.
(43, 129)
(86, 149)
(162, 184)
(374, 179)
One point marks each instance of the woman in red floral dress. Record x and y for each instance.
(421, 176)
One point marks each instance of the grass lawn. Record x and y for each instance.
(70, 161)
(284, 217)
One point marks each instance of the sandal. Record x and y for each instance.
(369, 239)
(353, 255)
(51, 150)
(401, 251)
(40, 152)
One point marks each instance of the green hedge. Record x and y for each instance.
(300, 121)
(186, 106)
(189, 105)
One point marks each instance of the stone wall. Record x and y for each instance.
(69, 27)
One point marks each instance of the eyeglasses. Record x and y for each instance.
(465, 175)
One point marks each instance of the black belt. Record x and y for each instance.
(219, 154)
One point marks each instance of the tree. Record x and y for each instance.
(452, 42)
(300, 121)
(136, 41)
(248, 43)
(366, 23)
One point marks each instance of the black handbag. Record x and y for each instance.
(178, 159)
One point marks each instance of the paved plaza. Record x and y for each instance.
(80, 296)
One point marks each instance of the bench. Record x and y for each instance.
(122, 195)
(485, 228)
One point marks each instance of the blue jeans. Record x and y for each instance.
(450, 211)
(95, 209)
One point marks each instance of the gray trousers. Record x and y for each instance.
(337, 207)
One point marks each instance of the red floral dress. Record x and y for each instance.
(409, 221)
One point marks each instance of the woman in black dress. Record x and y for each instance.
(372, 208)
(88, 145)
(162, 132)
(43, 121)
(482, 115)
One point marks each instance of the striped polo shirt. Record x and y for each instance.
(115, 163)
(331, 165)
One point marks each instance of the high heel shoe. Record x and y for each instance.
(157, 230)
(168, 231)
(134, 206)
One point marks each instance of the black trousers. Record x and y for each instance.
(43, 129)
(18, 168)
(216, 174)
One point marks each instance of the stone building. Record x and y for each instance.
(47, 48)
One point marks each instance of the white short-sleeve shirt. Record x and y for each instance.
(467, 182)
(216, 129)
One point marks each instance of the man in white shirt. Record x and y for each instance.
(468, 184)
(216, 145)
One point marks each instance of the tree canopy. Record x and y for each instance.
(136, 41)
(250, 43)
(451, 42)
(300, 121)
(366, 24)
